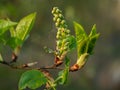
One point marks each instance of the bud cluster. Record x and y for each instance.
(58, 18)
(63, 32)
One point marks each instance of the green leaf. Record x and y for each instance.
(63, 75)
(67, 62)
(92, 42)
(24, 26)
(32, 79)
(6, 25)
(72, 42)
(79, 32)
(3, 39)
(81, 38)
(82, 47)
(12, 32)
(14, 42)
(93, 31)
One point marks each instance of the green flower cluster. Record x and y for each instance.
(63, 34)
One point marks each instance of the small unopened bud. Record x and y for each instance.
(57, 24)
(54, 9)
(58, 20)
(67, 43)
(59, 43)
(61, 16)
(58, 37)
(57, 10)
(63, 22)
(67, 31)
(65, 48)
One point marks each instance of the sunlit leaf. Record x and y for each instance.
(81, 38)
(24, 26)
(5, 25)
(79, 32)
(32, 79)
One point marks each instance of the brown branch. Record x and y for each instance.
(27, 66)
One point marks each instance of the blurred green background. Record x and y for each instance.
(102, 71)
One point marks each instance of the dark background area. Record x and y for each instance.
(102, 71)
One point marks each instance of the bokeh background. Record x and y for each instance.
(102, 71)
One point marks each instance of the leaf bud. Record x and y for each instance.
(82, 59)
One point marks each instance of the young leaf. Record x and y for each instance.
(72, 42)
(92, 42)
(81, 38)
(82, 47)
(12, 32)
(93, 31)
(3, 39)
(24, 26)
(14, 42)
(32, 79)
(63, 75)
(5, 25)
(79, 31)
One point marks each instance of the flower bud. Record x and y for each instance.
(59, 43)
(57, 24)
(65, 48)
(61, 16)
(56, 16)
(54, 19)
(63, 22)
(54, 9)
(58, 37)
(65, 40)
(57, 10)
(67, 31)
(59, 29)
(58, 20)
(67, 43)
